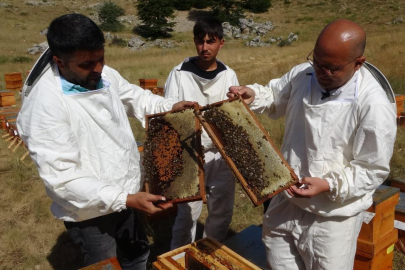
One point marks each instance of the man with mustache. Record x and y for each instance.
(74, 120)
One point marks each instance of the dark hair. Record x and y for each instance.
(208, 26)
(72, 32)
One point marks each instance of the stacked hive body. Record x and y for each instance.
(376, 240)
(151, 84)
(13, 81)
(203, 254)
(7, 98)
(248, 149)
(399, 99)
(9, 113)
(109, 264)
(173, 159)
(400, 213)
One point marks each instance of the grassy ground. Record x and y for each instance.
(30, 238)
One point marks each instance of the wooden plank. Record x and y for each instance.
(373, 248)
(208, 252)
(110, 264)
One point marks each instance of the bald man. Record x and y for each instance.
(339, 135)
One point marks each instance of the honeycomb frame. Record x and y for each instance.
(278, 179)
(174, 141)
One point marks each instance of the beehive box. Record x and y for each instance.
(7, 98)
(148, 83)
(206, 253)
(376, 240)
(13, 81)
(399, 99)
(109, 264)
(6, 112)
(247, 148)
(173, 158)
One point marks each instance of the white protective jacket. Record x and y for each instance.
(185, 85)
(83, 144)
(346, 139)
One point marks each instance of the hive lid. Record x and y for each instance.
(247, 148)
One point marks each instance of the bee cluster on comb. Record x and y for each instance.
(247, 148)
(173, 156)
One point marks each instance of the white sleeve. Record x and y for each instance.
(372, 151)
(273, 98)
(172, 85)
(139, 102)
(45, 128)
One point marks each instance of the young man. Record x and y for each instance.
(339, 136)
(74, 122)
(206, 80)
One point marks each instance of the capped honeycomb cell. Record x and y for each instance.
(173, 159)
(247, 148)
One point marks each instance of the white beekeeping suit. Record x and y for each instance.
(183, 84)
(83, 144)
(346, 139)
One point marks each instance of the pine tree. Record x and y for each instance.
(154, 15)
(257, 6)
(228, 11)
(108, 14)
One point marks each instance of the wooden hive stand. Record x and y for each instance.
(375, 244)
(13, 81)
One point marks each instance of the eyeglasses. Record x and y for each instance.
(330, 72)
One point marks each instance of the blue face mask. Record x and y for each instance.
(69, 88)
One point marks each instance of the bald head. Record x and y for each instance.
(342, 37)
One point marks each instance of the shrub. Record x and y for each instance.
(202, 4)
(154, 15)
(120, 42)
(108, 15)
(227, 11)
(257, 6)
(183, 4)
(21, 59)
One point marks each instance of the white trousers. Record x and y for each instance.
(220, 187)
(297, 239)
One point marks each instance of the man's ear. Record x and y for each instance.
(59, 62)
(359, 62)
(221, 43)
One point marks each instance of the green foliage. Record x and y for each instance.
(21, 59)
(228, 11)
(284, 42)
(183, 4)
(108, 15)
(3, 59)
(154, 15)
(257, 6)
(200, 4)
(120, 42)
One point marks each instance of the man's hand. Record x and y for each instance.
(143, 202)
(246, 93)
(182, 105)
(313, 186)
